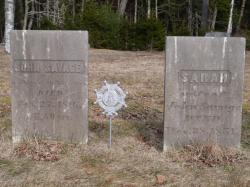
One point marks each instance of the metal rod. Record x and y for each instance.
(110, 131)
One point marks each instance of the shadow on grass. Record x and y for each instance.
(144, 123)
(151, 133)
(147, 122)
(147, 125)
(151, 128)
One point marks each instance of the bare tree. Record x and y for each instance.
(196, 24)
(32, 15)
(135, 15)
(156, 9)
(26, 14)
(36, 9)
(204, 16)
(9, 22)
(39, 17)
(82, 6)
(149, 8)
(214, 18)
(20, 5)
(55, 11)
(73, 9)
(230, 20)
(190, 17)
(47, 8)
(122, 7)
(26, 11)
(241, 14)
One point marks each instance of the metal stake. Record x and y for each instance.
(110, 131)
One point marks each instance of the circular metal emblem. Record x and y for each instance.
(111, 98)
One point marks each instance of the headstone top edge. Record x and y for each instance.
(49, 31)
(48, 59)
(53, 45)
(242, 40)
(204, 37)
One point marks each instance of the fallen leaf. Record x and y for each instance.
(160, 179)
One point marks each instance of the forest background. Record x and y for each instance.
(129, 24)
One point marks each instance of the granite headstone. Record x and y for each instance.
(203, 91)
(50, 85)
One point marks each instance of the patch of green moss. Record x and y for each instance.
(246, 107)
(5, 100)
(245, 137)
(14, 168)
(4, 163)
(5, 128)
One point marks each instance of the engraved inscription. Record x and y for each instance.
(44, 116)
(50, 93)
(200, 90)
(30, 66)
(202, 130)
(50, 104)
(195, 85)
(204, 112)
(205, 106)
(221, 77)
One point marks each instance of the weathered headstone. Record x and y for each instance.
(203, 91)
(50, 85)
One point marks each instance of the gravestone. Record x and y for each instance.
(50, 85)
(203, 91)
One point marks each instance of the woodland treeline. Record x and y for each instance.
(130, 24)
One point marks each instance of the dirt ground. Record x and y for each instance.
(136, 158)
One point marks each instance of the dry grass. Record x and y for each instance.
(39, 150)
(136, 157)
(208, 155)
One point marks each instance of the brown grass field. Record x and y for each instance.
(136, 158)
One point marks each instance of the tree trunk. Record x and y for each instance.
(204, 16)
(196, 24)
(135, 16)
(190, 17)
(32, 15)
(241, 15)
(25, 19)
(214, 18)
(54, 12)
(9, 22)
(149, 6)
(38, 15)
(82, 7)
(230, 20)
(59, 17)
(122, 7)
(21, 9)
(47, 8)
(156, 9)
(73, 9)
